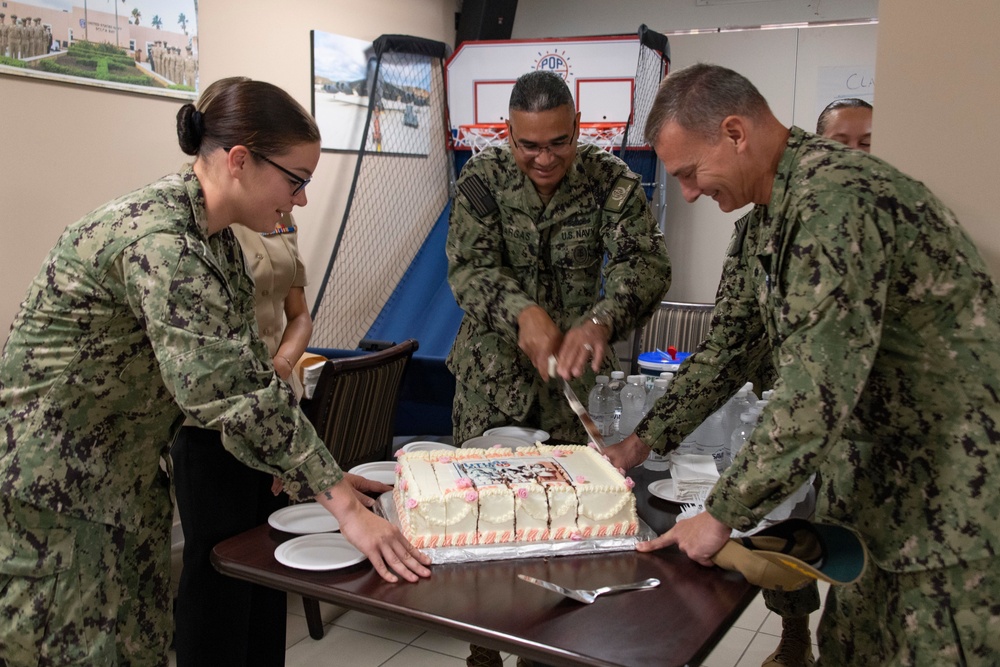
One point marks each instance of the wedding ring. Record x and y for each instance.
(588, 347)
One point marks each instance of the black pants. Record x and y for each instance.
(220, 620)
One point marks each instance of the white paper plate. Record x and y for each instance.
(380, 471)
(529, 435)
(664, 488)
(487, 441)
(325, 551)
(427, 446)
(304, 519)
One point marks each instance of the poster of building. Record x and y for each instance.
(148, 46)
(344, 83)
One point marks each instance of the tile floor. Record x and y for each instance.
(355, 639)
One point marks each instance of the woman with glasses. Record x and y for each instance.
(141, 316)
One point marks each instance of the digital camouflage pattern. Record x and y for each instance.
(945, 616)
(506, 251)
(881, 320)
(137, 319)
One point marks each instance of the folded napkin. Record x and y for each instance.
(694, 476)
(307, 370)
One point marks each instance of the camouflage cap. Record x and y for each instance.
(791, 554)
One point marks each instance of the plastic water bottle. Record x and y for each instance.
(597, 404)
(737, 405)
(633, 399)
(752, 397)
(659, 389)
(748, 420)
(615, 386)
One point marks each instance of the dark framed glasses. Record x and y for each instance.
(559, 147)
(300, 183)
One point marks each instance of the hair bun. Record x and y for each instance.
(190, 129)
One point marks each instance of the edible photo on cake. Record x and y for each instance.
(502, 472)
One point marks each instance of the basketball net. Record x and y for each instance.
(481, 136)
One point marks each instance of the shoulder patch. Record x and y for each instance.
(620, 193)
(475, 190)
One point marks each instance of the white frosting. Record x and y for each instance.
(485, 496)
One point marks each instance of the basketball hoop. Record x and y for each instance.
(605, 135)
(481, 136)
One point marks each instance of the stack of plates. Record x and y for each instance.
(487, 441)
(380, 471)
(326, 551)
(304, 519)
(427, 446)
(528, 435)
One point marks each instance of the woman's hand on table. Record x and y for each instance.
(363, 486)
(381, 542)
(628, 453)
(699, 537)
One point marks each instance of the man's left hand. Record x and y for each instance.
(587, 342)
(628, 453)
(700, 537)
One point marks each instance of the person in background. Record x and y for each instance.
(552, 250)
(141, 316)
(218, 619)
(848, 121)
(880, 319)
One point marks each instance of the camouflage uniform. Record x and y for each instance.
(506, 251)
(136, 319)
(881, 320)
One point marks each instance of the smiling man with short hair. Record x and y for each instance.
(552, 250)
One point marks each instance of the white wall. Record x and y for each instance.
(939, 92)
(66, 149)
(571, 18)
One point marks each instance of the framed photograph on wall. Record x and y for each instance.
(142, 46)
(347, 80)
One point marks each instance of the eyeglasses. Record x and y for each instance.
(559, 147)
(300, 183)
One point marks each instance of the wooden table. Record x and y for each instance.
(677, 623)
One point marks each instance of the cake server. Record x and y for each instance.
(589, 426)
(588, 596)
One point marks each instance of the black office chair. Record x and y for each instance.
(353, 410)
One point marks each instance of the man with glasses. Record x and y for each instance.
(552, 250)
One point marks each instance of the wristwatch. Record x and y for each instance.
(601, 319)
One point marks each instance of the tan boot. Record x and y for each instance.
(795, 647)
(480, 656)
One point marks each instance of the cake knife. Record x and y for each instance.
(589, 426)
